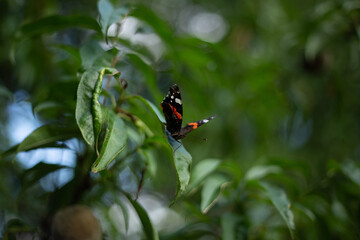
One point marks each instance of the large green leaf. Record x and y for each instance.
(148, 72)
(89, 51)
(71, 50)
(83, 114)
(211, 191)
(124, 209)
(202, 170)
(96, 107)
(159, 26)
(149, 230)
(40, 170)
(15, 227)
(110, 15)
(88, 112)
(352, 171)
(156, 111)
(150, 118)
(46, 106)
(279, 199)
(114, 141)
(42, 137)
(231, 228)
(182, 160)
(93, 55)
(130, 46)
(182, 163)
(45, 135)
(55, 23)
(258, 172)
(10, 151)
(149, 156)
(4, 92)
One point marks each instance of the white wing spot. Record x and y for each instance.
(172, 97)
(177, 100)
(205, 121)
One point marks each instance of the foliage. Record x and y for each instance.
(280, 160)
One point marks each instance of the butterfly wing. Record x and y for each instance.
(192, 126)
(172, 109)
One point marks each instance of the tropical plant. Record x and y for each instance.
(279, 161)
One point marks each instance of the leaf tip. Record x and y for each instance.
(94, 170)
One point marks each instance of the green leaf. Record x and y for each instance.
(46, 105)
(150, 158)
(94, 56)
(159, 26)
(88, 114)
(151, 118)
(114, 142)
(149, 230)
(182, 163)
(202, 170)
(4, 92)
(130, 46)
(306, 211)
(71, 50)
(258, 172)
(96, 107)
(83, 114)
(211, 191)
(231, 227)
(156, 110)
(40, 170)
(15, 227)
(124, 209)
(339, 211)
(148, 72)
(46, 136)
(279, 199)
(151, 106)
(55, 23)
(89, 52)
(10, 151)
(351, 170)
(110, 15)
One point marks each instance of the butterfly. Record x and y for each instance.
(173, 111)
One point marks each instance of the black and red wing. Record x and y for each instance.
(192, 126)
(172, 109)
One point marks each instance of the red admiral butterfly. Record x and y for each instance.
(173, 112)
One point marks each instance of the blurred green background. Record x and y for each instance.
(282, 76)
